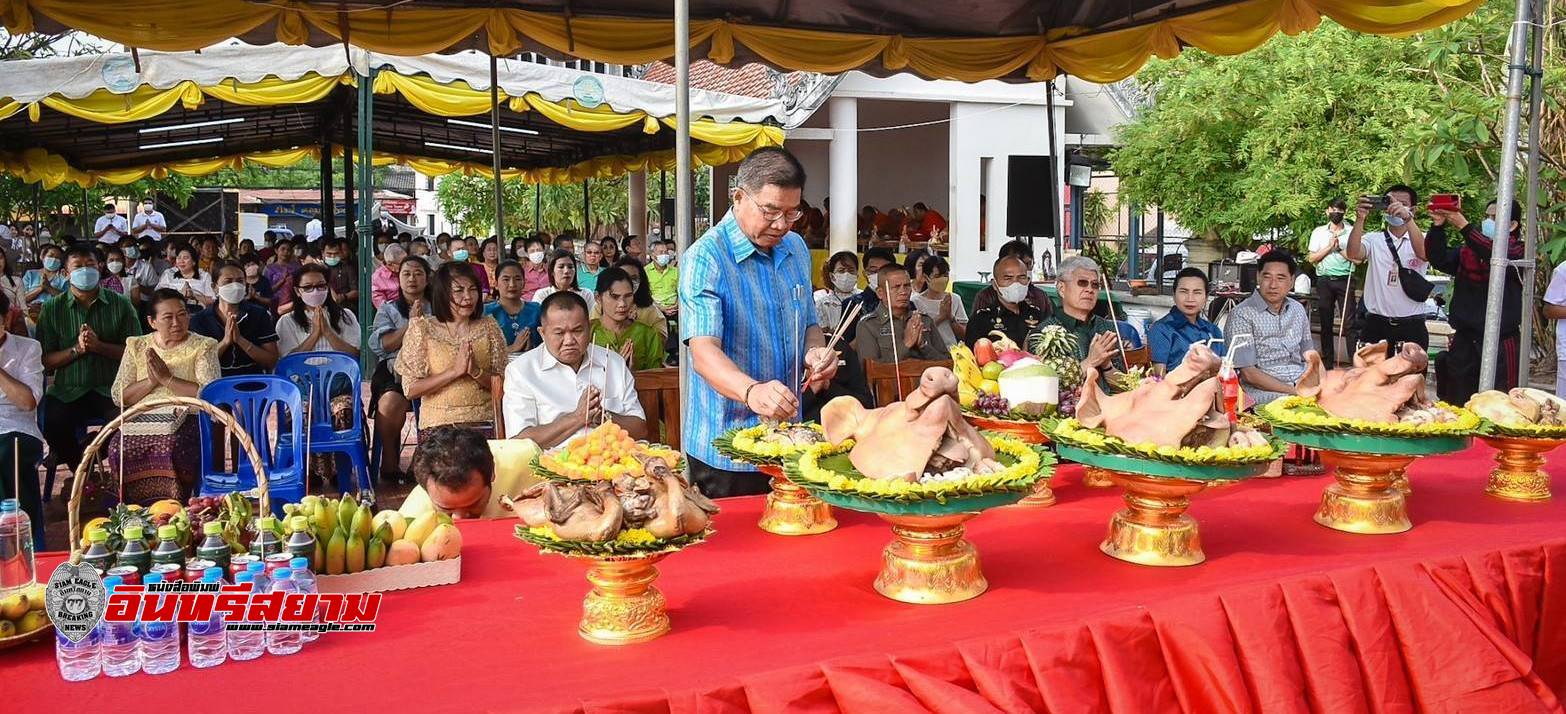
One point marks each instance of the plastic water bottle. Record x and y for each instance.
(305, 581)
(246, 644)
(118, 645)
(206, 642)
(158, 642)
(283, 642)
(79, 661)
(16, 549)
(263, 583)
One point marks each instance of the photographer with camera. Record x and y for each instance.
(1395, 284)
(1468, 262)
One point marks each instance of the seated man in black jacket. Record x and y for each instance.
(1468, 262)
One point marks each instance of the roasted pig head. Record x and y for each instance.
(900, 439)
(1375, 389)
(1184, 409)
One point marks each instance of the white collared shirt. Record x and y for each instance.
(539, 389)
(22, 358)
(143, 218)
(114, 236)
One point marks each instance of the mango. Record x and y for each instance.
(402, 552)
(166, 506)
(421, 528)
(7, 629)
(13, 607)
(336, 554)
(443, 543)
(399, 525)
(31, 621)
(375, 553)
(355, 559)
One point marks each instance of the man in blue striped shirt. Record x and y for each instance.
(747, 315)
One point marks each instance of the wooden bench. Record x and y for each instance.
(659, 392)
(884, 377)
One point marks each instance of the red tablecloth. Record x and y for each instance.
(1465, 613)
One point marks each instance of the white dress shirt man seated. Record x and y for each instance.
(571, 385)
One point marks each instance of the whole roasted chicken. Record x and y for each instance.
(659, 500)
(1185, 408)
(1377, 388)
(924, 433)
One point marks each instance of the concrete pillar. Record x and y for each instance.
(843, 172)
(636, 212)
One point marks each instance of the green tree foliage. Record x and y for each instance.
(1242, 147)
(469, 202)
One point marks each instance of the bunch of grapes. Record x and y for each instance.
(993, 405)
(1068, 401)
(202, 510)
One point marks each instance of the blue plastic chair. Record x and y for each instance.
(320, 376)
(252, 400)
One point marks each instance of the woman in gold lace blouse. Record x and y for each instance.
(449, 358)
(162, 450)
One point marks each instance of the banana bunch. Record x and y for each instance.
(349, 538)
(969, 376)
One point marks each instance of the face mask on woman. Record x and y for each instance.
(536, 256)
(843, 282)
(1488, 228)
(234, 293)
(51, 263)
(115, 267)
(313, 298)
(459, 255)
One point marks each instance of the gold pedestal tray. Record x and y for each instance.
(791, 510)
(1040, 496)
(1365, 498)
(623, 608)
(1519, 471)
(1027, 432)
(1095, 477)
(928, 562)
(1153, 529)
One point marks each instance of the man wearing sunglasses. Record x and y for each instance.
(747, 315)
(1098, 338)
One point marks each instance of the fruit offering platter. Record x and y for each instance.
(176, 531)
(1522, 426)
(1162, 441)
(23, 618)
(790, 510)
(603, 454)
(622, 519)
(358, 550)
(924, 469)
(1370, 421)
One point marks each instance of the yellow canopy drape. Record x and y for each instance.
(1231, 28)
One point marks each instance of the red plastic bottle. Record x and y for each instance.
(1231, 391)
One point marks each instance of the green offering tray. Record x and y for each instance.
(1161, 469)
(1373, 444)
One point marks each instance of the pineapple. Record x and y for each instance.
(1057, 349)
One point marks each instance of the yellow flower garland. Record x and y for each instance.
(1016, 477)
(629, 536)
(749, 441)
(1072, 432)
(1304, 414)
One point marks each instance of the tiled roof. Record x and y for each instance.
(751, 80)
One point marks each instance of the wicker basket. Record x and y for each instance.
(90, 455)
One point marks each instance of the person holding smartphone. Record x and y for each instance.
(1391, 314)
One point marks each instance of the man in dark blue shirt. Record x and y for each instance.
(246, 334)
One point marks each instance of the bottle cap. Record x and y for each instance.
(282, 573)
(9, 505)
(299, 563)
(151, 578)
(248, 576)
(267, 522)
(212, 575)
(98, 535)
(168, 533)
(134, 533)
(299, 523)
(212, 528)
(256, 567)
(112, 582)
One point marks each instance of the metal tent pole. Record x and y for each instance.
(538, 206)
(1506, 191)
(1158, 267)
(682, 161)
(587, 212)
(1530, 233)
(366, 215)
(494, 146)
